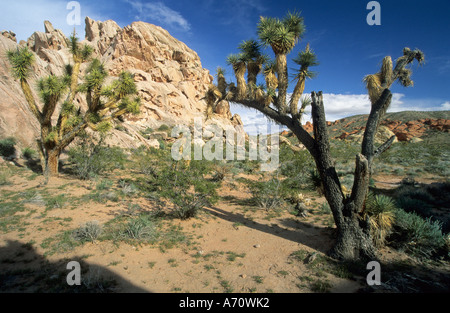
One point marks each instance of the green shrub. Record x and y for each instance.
(187, 187)
(420, 237)
(296, 167)
(140, 228)
(28, 153)
(163, 127)
(90, 158)
(146, 161)
(411, 199)
(266, 194)
(7, 147)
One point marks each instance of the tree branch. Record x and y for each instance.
(361, 183)
(384, 146)
(293, 124)
(377, 112)
(30, 99)
(325, 165)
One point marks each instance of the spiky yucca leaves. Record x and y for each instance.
(282, 36)
(380, 211)
(221, 81)
(212, 95)
(305, 59)
(93, 84)
(259, 93)
(254, 59)
(21, 61)
(269, 74)
(80, 55)
(305, 101)
(237, 61)
(117, 100)
(51, 89)
(377, 83)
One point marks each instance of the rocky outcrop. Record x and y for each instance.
(170, 78)
(383, 135)
(416, 129)
(412, 130)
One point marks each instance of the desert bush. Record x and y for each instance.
(90, 231)
(412, 199)
(163, 127)
(28, 153)
(296, 167)
(127, 189)
(266, 193)
(7, 147)
(92, 158)
(188, 186)
(244, 166)
(418, 236)
(146, 161)
(140, 228)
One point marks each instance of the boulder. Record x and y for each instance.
(170, 79)
(9, 35)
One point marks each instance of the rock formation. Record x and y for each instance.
(170, 78)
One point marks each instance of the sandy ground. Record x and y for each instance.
(231, 249)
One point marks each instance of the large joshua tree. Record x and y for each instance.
(105, 103)
(353, 240)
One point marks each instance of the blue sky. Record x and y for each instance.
(346, 46)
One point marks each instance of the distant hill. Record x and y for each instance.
(405, 125)
(404, 116)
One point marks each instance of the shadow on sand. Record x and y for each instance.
(23, 270)
(317, 238)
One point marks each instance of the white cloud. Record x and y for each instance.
(27, 16)
(254, 121)
(445, 105)
(158, 12)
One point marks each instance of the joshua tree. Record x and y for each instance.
(353, 239)
(105, 103)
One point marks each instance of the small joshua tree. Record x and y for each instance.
(353, 239)
(105, 103)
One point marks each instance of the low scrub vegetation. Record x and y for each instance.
(91, 158)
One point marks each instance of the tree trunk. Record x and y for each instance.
(353, 240)
(52, 163)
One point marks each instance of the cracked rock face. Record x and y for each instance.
(170, 78)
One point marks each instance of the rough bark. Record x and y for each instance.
(282, 82)
(241, 84)
(353, 240)
(296, 95)
(52, 163)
